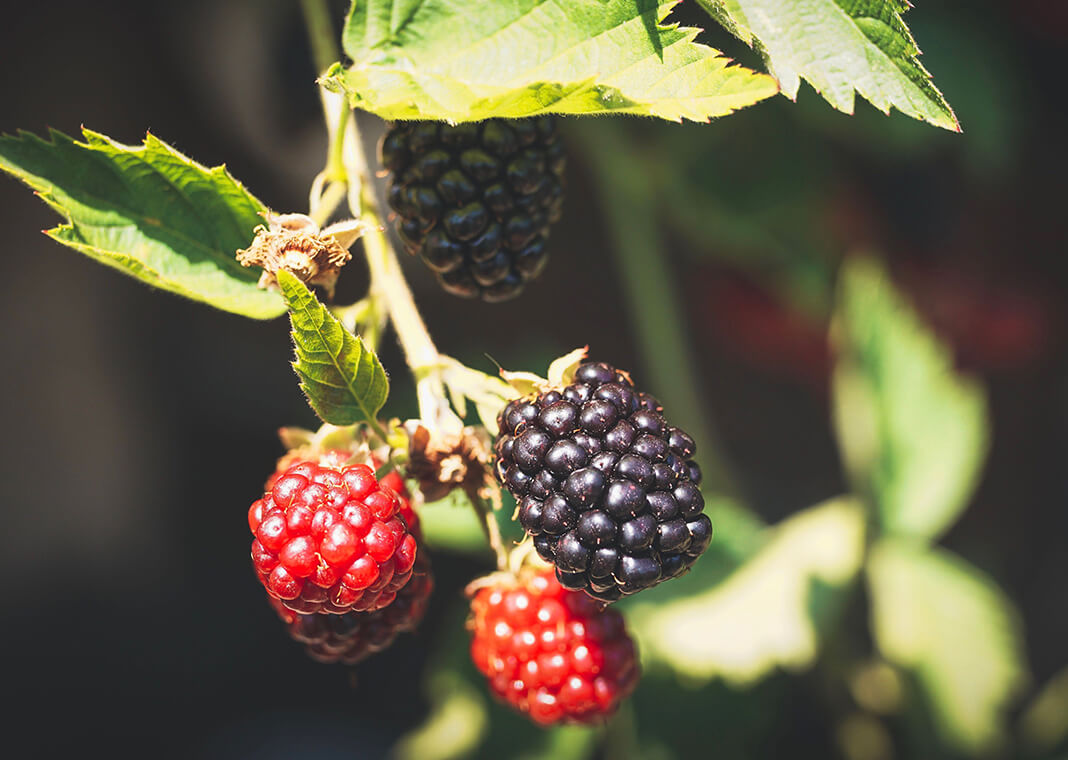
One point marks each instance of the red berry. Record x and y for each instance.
(554, 654)
(351, 637)
(330, 538)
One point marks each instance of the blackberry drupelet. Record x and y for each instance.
(476, 200)
(606, 487)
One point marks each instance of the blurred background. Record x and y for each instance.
(706, 258)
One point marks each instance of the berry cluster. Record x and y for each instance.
(605, 486)
(331, 539)
(554, 654)
(475, 200)
(353, 636)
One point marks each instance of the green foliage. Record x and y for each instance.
(343, 379)
(950, 625)
(839, 46)
(436, 59)
(912, 432)
(769, 612)
(148, 211)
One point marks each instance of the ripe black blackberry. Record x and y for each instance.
(605, 486)
(475, 200)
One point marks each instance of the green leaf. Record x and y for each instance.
(767, 613)
(148, 211)
(913, 433)
(839, 47)
(343, 379)
(438, 59)
(950, 625)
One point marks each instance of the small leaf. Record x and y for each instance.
(954, 629)
(150, 212)
(343, 379)
(839, 47)
(913, 433)
(438, 59)
(562, 370)
(768, 612)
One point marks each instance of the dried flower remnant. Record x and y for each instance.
(295, 243)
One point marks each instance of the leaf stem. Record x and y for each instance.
(389, 287)
(488, 520)
(324, 206)
(320, 33)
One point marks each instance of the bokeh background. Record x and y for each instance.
(139, 426)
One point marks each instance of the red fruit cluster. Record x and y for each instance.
(353, 636)
(331, 539)
(556, 655)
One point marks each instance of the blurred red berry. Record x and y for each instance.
(556, 655)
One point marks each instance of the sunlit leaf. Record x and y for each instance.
(956, 631)
(149, 212)
(766, 614)
(839, 47)
(912, 431)
(438, 59)
(343, 379)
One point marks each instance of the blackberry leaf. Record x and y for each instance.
(839, 47)
(149, 212)
(343, 379)
(438, 59)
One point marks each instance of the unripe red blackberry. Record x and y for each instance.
(353, 636)
(553, 654)
(331, 539)
(605, 485)
(476, 200)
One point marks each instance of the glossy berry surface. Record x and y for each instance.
(556, 655)
(476, 200)
(351, 637)
(607, 488)
(331, 539)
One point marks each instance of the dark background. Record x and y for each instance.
(139, 426)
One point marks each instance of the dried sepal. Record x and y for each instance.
(295, 243)
(443, 462)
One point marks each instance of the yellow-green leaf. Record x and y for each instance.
(767, 614)
(913, 432)
(956, 631)
(438, 59)
(840, 47)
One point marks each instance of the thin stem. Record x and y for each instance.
(328, 202)
(487, 518)
(320, 33)
(389, 287)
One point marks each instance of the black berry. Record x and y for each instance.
(476, 200)
(605, 485)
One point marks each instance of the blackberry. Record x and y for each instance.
(606, 487)
(475, 200)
